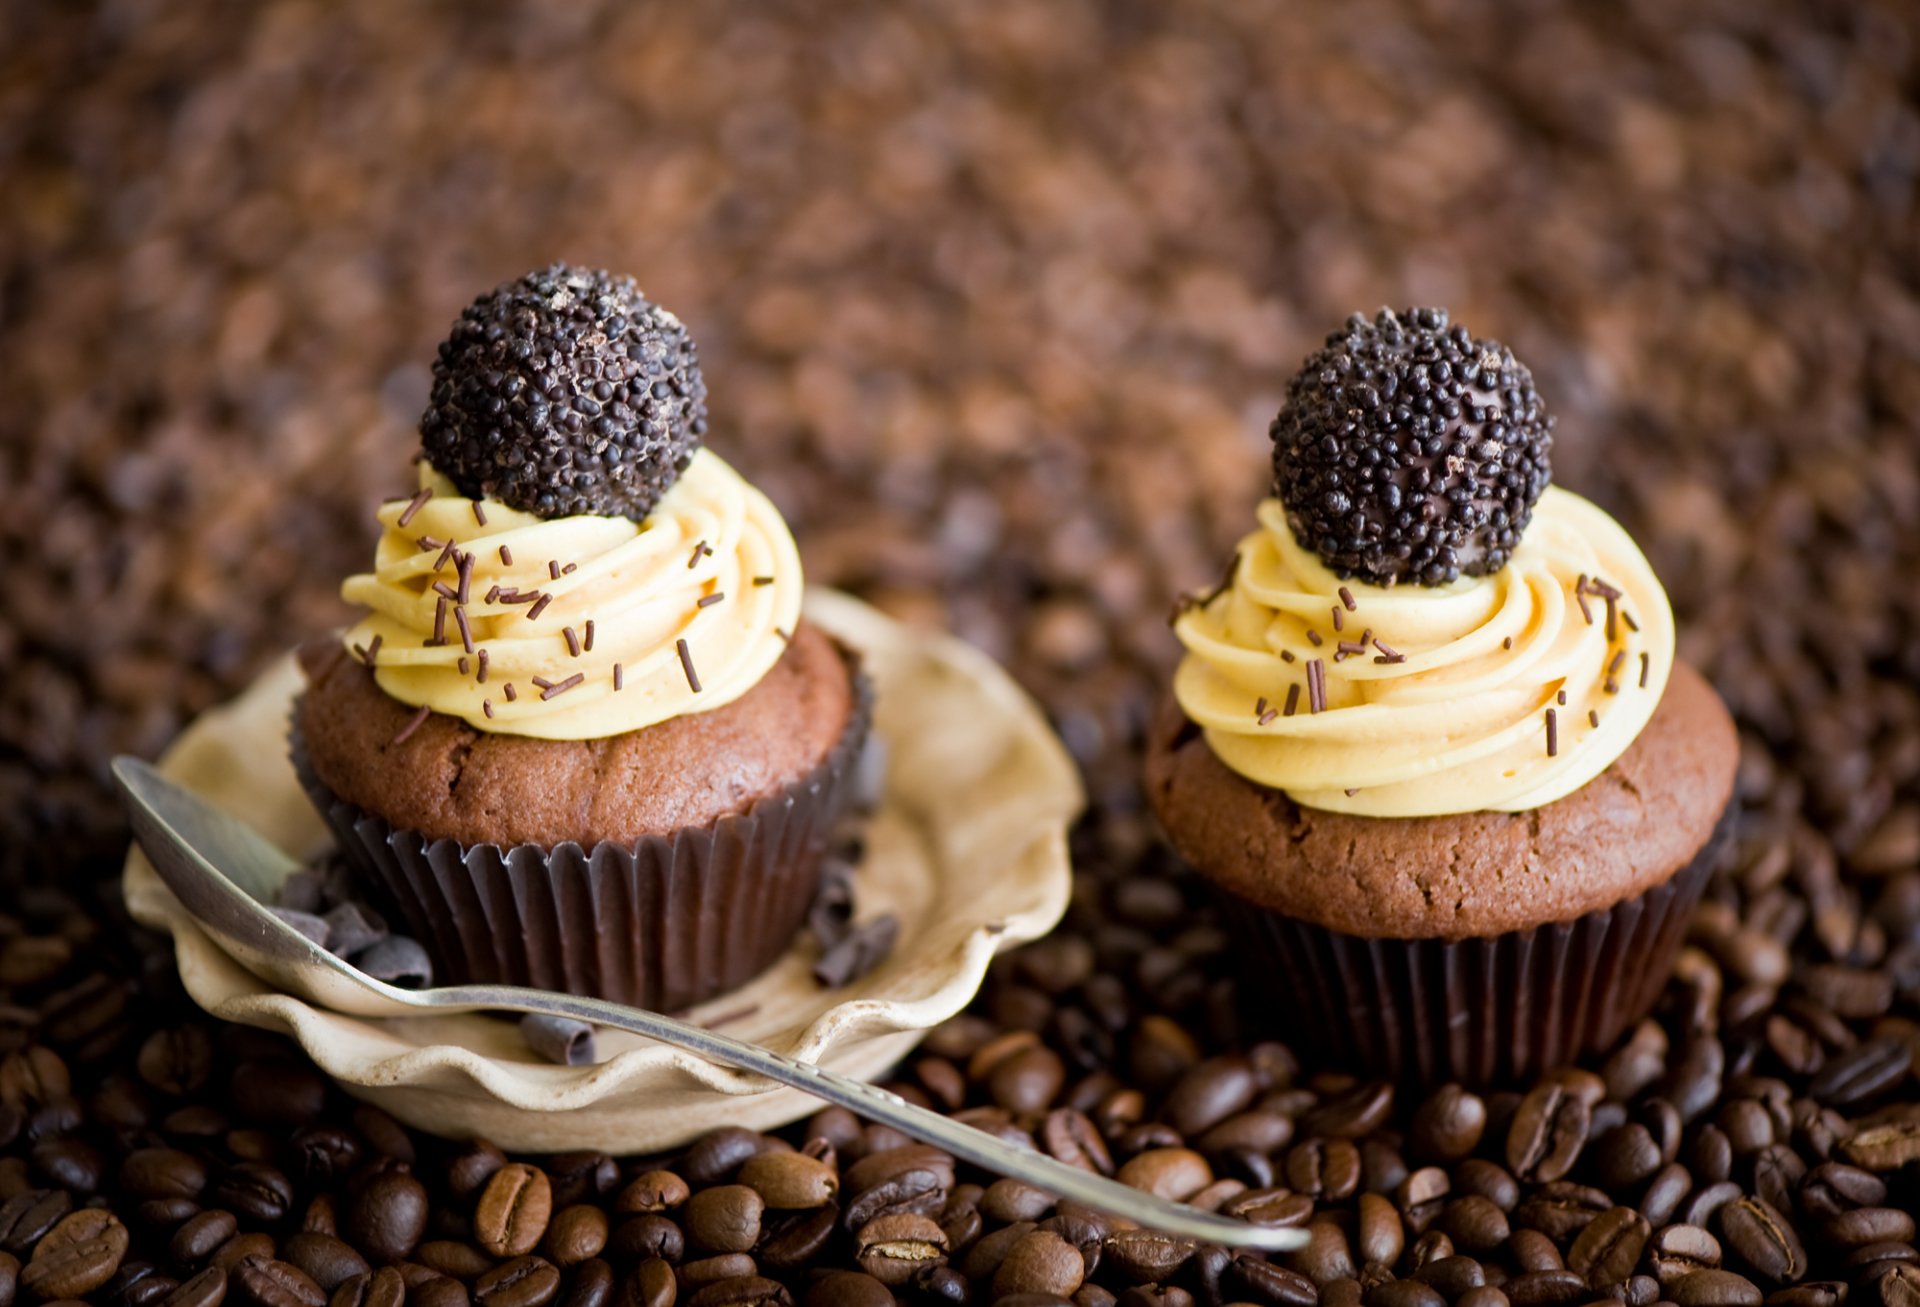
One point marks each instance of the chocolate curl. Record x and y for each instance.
(560, 1040)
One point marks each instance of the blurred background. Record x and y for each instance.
(996, 299)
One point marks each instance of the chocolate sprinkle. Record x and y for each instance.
(1316, 686)
(566, 391)
(1313, 638)
(1410, 450)
(763, 580)
(481, 676)
(493, 593)
(440, 621)
(445, 590)
(533, 613)
(1644, 663)
(373, 649)
(1346, 598)
(1553, 733)
(708, 601)
(1613, 666)
(414, 505)
(486, 706)
(693, 560)
(506, 556)
(1269, 715)
(464, 562)
(561, 687)
(1286, 655)
(686, 665)
(1293, 699)
(414, 723)
(1388, 654)
(1339, 619)
(446, 552)
(573, 641)
(619, 677)
(569, 568)
(1260, 706)
(511, 693)
(1593, 717)
(553, 569)
(1627, 617)
(479, 513)
(1561, 698)
(1507, 643)
(463, 666)
(466, 631)
(587, 643)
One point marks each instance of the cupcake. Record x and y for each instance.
(1429, 741)
(582, 738)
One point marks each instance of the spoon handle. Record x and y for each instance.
(963, 1141)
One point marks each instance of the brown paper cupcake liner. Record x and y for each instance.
(1498, 1009)
(662, 923)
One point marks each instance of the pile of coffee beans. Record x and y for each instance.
(996, 300)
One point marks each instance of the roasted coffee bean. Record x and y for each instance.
(1677, 1251)
(1625, 1156)
(255, 1190)
(1547, 1133)
(1861, 1073)
(242, 1246)
(208, 1288)
(452, 1257)
(513, 1211)
(1777, 1173)
(1814, 1293)
(1327, 1255)
(28, 1215)
(645, 1236)
(1256, 1281)
(1381, 1235)
(1070, 1136)
(199, 1236)
(984, 1258)
(1714, 1289)
(1884, 1147)
(1146, 1256)
(1664, 1193)
(711, 1270)
(575, 1234)
(1834, 1187)
(162, 1173)
(523, 1282)
(716, 1156)
(1040, 1262)
(1012, 1200)
(1354, 1114)
(436, 1291)
(1534, 1251)
(748, 1291)
(1279, 1208)
(1705, 1203)
(1171, 1173)
(907, 1179)
(1404, 1293)
(1447, 1126)
(1869, 1225)
(1897, 1286)
(1490, 1180)
(277, 1093)
(1324, 1168)
(77, 1255)
(1545, 1288)
(1452, 1276)
(1474, 1224)
(794, 1239)
(385, 1219)
(327, 1261)
(1484, 1296)
(724, 1219)
(651, 1284)
(894, 1247)
(270, 1283)
(381, 1288)
(652, 1191)
(848, 1289)
(1764, 1239)
(1607, 1251)
(790, 1180)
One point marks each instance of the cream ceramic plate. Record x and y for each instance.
(968, 847)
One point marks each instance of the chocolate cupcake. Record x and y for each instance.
(1429, 742)
(582, 739)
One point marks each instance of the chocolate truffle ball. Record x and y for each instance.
(566, 392)
(1410, 450)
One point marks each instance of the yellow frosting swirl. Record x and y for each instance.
(713, 567)
(1446, 707)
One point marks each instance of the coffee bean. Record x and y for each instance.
(1011, 1200)
(206, 1288)
(277, 1093)
(162, 1173)
(748, 1291)
(1877, 1148)
(1869, 1225)
(645, 1236)
(1665, 1192)
(1324, 1168)
(76, 1256)
(1423, 1195)
(1277, 1208)
(1146, 1256)
(914, 1178)
(1490, 1180)
(381, 1288)
(1452, 1276)
(28, 1215)
(795, 1239)
(1545, 1288)
(1381, 1236)
(984, 1258)
(387, 1216)
(1705, 1203)
(471, 1167)
(725, 1218)
(1484, 1296)
(1474, 1224)
(1265, 1283)
(576, 1234)
(1834, 1187)
(711, 1270)
(523, 1282)
(1404, 1293)
(1814, 1293)
(230, 1254)
(652, 1191)
(848, 1289)
(1764, 1239)
(452, 1257)
(1069, 1136)
(652, 1284)
(1677, 1251)
(200, 1235)
(1210, 1092)
(1534, 1251)
(894, 1247)
(1326, 1257)
(326, 1260)
(1607, 1251)
(1447, 1126)
(1547, 1133)
(436, 1291)
(255, 1190)
(513, 1211)
(1040, 1262)
(1898, 1286)
(1714, 1289)
(790, 1180)
(270, 1283)
(1352, 1115)
(717, 1155)
(1175, 1174)
(1434, 1246)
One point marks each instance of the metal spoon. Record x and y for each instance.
(223, 872)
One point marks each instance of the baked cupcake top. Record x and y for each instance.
(573, 564)
(1420, 624)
